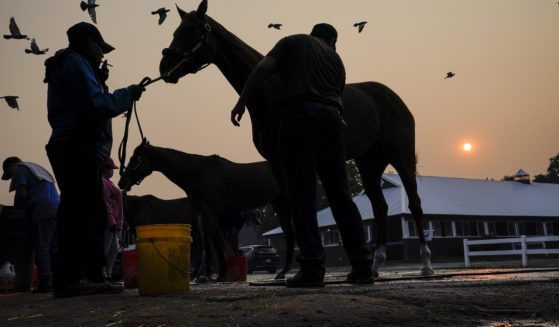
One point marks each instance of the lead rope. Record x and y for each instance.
(122, 148)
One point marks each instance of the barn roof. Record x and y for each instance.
(459, 196)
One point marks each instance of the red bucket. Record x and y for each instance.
(237, 268)
(130, 269)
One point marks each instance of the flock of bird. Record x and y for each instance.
(15, 34)
(90, 7)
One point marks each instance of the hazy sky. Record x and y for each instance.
(504, 99)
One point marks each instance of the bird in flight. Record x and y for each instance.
(90, 6)
(14, 31)
(449, 75)
(276, 26)
(360, 26)
(35, 49)
(162, 14)
(11, 100)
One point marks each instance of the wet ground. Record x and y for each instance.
(488, 294)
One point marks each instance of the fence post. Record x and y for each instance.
(524, 250)
(466, 253)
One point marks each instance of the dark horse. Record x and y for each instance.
(381, 129)
(215, 185)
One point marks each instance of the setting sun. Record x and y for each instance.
(467, 147)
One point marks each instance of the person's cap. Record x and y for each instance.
(324, 31)
(79, 34)
(10, 160)
(110, 164)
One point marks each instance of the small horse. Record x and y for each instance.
(380, 131)
(214, 185)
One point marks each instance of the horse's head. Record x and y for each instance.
(139, 167)
(189, 51)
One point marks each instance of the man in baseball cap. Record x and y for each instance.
(80, 110)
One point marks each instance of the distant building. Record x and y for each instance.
(454, 209)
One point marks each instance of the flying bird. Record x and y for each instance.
(360, 26)
(11, 100)
(276, 26)
(162, 14)
(449, 75)
(35, 49)
(14, 30)
(90, 6)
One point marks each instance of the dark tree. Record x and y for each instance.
(552, 175)
(353, 180)
(508, 178)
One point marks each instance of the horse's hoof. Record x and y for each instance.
(375, 273)
(280, 276)
(202, 280)
(427, 271)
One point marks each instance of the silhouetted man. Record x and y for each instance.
(37, 195)
(312, 141)
(80, 110)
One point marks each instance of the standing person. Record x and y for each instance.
(311, 141)
(115, 215)
(37, 195)
(80, 109)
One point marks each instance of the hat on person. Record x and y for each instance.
(110, 164)
(81, 32)
(9, 161)
(324, 31)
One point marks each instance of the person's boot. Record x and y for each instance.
(79, 288)
(361, 276)
(306, 277)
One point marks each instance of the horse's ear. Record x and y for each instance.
(145, 141)
(182, 13)
(202, 8)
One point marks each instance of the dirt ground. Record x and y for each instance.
(482, 298)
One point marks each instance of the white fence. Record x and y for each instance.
(524, 251)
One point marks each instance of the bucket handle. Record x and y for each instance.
(167, 261)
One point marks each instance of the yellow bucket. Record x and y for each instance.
(163, 258)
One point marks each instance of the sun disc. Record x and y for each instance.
(467, 147)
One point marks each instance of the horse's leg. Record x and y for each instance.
(371, 165)
(281, 206)
(218, 241)
(202, 272)
(407, 175)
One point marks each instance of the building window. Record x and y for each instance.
(469, 228)
(442, 228)
(531, 228)
(411, 228)
(549, 228)
(331, 237)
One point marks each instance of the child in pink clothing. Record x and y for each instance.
(113, 199)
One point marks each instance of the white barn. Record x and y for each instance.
(454, 208)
